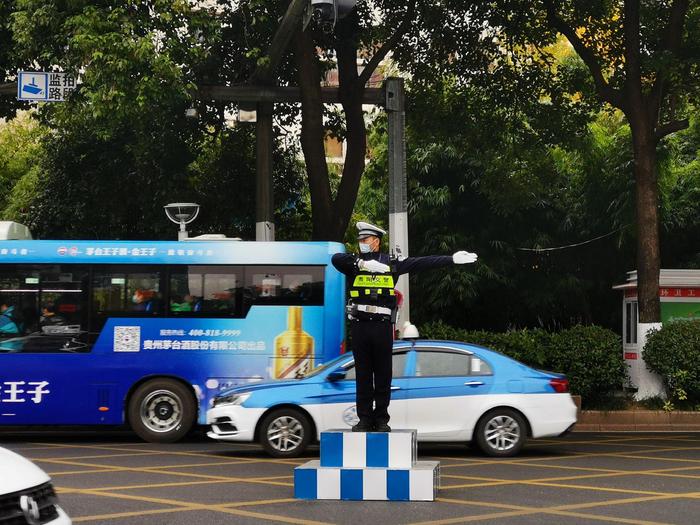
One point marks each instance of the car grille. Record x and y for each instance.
(45, 498)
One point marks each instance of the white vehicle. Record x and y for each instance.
(446, 390)
(26, 493)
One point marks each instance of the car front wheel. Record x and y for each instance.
(285, 433)
(501, 433)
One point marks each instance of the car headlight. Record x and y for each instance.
(231, 399)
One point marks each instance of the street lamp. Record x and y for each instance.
(182, 213)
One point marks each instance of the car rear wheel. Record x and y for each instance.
(285, 433)
(162, 411)
(501, 433)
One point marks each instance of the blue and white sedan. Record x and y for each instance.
(448, 391)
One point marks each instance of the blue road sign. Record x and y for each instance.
(42, 86)
(32, 86)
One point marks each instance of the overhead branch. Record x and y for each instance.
(382, 52)
(671, 42)
(606, 92)
(265, 72)
(671, 127)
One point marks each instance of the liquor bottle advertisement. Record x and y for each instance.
(271, 342)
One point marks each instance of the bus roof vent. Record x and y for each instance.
(212, 237)
(14, 231)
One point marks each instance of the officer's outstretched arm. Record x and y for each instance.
(429, 262)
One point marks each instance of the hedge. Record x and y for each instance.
(673, 352)
(590, 356)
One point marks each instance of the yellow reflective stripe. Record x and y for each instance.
(354, 293)
(373, 281)
(367, 291)
(391, 292)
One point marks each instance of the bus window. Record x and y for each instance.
(63, 299)
(205, 291)
(123, 290)
(285, 285)
(19, 300)
(35, 296)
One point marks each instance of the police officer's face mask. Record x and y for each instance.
(365, 248)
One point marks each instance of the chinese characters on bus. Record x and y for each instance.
(23, 391)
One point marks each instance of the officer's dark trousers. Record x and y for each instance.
(372, 342)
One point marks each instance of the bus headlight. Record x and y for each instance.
(231, 399)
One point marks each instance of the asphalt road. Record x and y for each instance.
(113, 478)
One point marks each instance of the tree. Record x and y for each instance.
(646, 70)
(371, 32)
(20, 153)
(121, 147)
(8, 61)
(642, 58)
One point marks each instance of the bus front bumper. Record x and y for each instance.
(233, 422)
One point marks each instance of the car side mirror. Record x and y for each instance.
(338, 375)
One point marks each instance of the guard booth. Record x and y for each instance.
(679, 293)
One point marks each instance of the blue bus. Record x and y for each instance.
(147, 333)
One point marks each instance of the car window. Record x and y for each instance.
(442, 363)
(398, 365)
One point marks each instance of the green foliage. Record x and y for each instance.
(673, 352)
(20, 152)
(121, 147)
(590, 356)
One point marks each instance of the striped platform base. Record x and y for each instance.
(368, 466)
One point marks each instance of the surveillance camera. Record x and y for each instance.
(324, 10)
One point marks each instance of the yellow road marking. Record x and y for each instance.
(613, 473)
(97, 456)
(117, 515)
(172, 484)
(558, 510)
(231, 508)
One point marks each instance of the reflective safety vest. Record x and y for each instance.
(373, 289)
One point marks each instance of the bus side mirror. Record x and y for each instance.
(338, 375)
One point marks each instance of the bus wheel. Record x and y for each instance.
(162, 411)
(285, 433)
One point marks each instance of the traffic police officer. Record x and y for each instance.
(372, 310)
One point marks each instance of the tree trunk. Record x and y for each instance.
(351, 93)
(330, 217)
(312, 138)
(647, 201)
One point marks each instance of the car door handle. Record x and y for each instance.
(474, 383)
(395, 387)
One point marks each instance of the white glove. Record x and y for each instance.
(372, 266)
(463, 257)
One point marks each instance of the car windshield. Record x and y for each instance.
(325, 366)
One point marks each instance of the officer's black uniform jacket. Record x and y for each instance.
(347, 263)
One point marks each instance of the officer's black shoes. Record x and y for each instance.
(382, 427)
(362, 426)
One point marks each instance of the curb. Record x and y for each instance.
(637, 420)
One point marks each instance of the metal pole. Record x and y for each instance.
(398, 214)
(264, 219)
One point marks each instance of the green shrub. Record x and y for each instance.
(590, 356)
(673, 352)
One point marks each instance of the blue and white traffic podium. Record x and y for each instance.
(368, 466)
